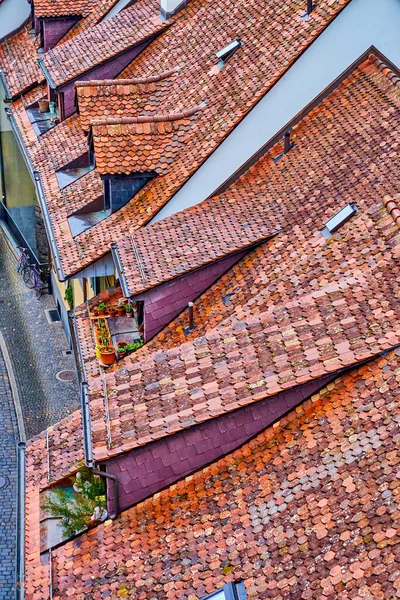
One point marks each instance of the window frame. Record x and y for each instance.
(232, 591)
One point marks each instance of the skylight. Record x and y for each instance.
(225, 54)
(339, 219)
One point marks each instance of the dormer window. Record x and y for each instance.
(119, 189)
(230, 591)
(225, 54)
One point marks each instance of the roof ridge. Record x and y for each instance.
(149, 118)
(392, 205)
(385, 69)
(133, 81)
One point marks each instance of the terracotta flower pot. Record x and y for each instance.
(43, 106)
(107, 354)
(121, 311)
(112, 312)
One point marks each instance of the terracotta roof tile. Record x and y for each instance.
(305, 510)
(150, 143)
(57, 8)
(191, 239)
(101, 42)
(229, 101)
(123, 97)
(18, 61)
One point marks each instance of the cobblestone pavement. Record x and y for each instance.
(8, 471)
(36, 349)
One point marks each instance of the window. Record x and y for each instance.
(230, 591)
(225, 54)
(339, 219)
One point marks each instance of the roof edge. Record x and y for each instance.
(149, 118)
(133, 81)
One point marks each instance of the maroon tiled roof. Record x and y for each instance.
(102, 42)
(305, 510)
(191, 239)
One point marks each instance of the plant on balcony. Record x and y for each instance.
(134, 346)
(69, 296)
(112, 311)
(128, 309)
(121, 307)
(102, 307)
(82, 509)
(107, 354)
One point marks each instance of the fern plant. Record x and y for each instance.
(78, 511)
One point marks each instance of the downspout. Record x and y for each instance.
(115, 481)
(120, 270)
(21, 493)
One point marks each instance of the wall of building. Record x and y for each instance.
(361, 24)
(55, 29)
(12, 14)
(108, 70)
(163, 303)
(145, 471)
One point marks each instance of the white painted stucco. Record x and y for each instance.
(361, 24)
(12, 14)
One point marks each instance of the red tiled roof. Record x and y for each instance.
(191, 239)
(59, 8)
(102, 42)
(136, 144)
(229, 99)
(305, 510)
(123, 97)
(18, 60)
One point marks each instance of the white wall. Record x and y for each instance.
(12, 14)
(361, 24)
(115, 9)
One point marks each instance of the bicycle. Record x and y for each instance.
(23, 261)
(33, 280)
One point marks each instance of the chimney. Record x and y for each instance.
(171, 7)
(286, 144)
(191, 325)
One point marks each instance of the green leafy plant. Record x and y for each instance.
(78, 511)
(102, 306)
(69, 296)
(134, 345)
(128, 307)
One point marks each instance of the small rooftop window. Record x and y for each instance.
(339, 219)
(74, 170)
(225, 54)
(230, 591)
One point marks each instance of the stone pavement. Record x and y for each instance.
(8, 487)
(36, 349)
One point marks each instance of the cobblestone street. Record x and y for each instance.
(8, 482)
(36, 349)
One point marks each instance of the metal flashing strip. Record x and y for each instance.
(87, 425)
(46, 74)
(5, 85)
(120, 270)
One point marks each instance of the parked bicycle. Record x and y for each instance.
(23, 261)
(30, 273)
(33, 280)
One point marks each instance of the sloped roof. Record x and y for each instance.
(18, 61)
(136, 144)
(57, 8)
(191, 239)
(229, 101)
(123, 97)
(307, 509)
(102, 42)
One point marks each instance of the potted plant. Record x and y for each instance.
(95, 311)
(134, 346)
(121, 307)
(102, 308)
(112, 311)
(107, 355)
(128, 309)
(121, 350)
(83, 509)
(43, 105)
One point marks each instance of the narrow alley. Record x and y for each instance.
(38, 349)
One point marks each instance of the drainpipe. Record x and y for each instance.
(21, 467)
(115, 481)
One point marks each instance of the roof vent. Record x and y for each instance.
(287, 146)
(225, 54)
(191, 326)
(169, 8)
(339, 219)
(310, 8)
